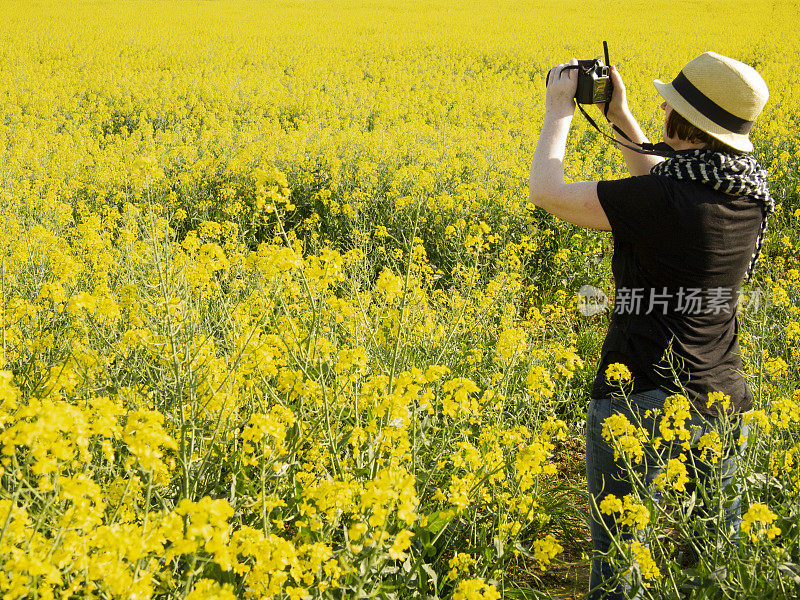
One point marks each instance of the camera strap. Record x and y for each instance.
(660, 149)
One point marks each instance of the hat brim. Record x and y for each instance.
(737, 141)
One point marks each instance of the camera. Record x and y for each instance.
(594, 80)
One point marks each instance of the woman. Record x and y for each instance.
(686, 231)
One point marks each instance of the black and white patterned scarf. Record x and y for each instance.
(733, 174)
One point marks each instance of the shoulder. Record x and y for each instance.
(653, 190)
(680, 195)
(638, 207)
(652, 184)
(646, 193)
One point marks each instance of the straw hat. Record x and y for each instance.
(718, 95)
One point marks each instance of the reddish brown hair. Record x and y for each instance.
(678, 127)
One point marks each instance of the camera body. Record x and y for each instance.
(594, 82)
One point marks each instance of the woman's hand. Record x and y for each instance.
(618, 107)
(620, 115)
(562, 83)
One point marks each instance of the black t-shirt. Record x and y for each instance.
(681, 250)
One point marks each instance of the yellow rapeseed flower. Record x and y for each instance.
(618, 373)
(644, 559)
(758, 521)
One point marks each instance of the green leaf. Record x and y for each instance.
(439, 520)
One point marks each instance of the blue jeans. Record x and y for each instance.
(605, 476)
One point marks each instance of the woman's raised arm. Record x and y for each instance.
(620, 115)
(576, 203)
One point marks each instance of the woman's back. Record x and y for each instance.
(681, 250)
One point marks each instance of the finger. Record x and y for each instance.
(572, 63)
(565, 68)
(616, 78)
(551, 75)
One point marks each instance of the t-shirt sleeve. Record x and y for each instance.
(637, 208)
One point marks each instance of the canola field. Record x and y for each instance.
(278, 322)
